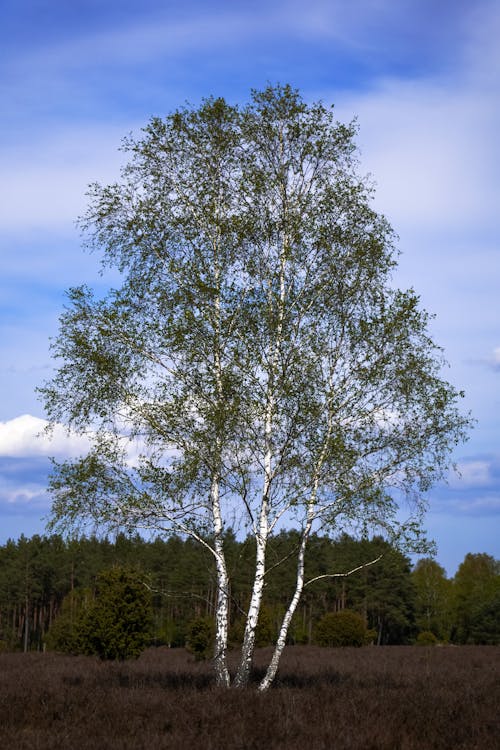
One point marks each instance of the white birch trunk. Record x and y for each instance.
(262, 534)
(287, 619)
(299, 581)
(221, 612)
(222, 608)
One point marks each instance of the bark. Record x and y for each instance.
(285, 625)
(222, 607)
(262, 533)
(299, 581)
(221, 612)
(248, 646)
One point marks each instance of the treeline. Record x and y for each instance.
(399, 604)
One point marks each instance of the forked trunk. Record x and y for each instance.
(262, 533)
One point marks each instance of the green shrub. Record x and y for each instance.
(371, 636)
(345, 628)
(265, 632)
(65, 632)
(200, 638)
(118, 625)
(115, 624)
(426, 638)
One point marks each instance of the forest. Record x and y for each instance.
(44, 578)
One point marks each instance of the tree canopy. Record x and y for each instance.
(255, 363)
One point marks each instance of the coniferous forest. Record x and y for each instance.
(49, 587)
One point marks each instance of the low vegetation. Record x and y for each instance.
(416, 698)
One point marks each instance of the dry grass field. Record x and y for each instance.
(392, 698)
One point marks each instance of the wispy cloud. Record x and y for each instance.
(477, 505)
(24, 495)
(491, 362)
(137, 41)
(474, 490)
(432, 140)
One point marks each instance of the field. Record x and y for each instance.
(392, 698)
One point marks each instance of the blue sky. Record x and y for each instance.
(421, 76)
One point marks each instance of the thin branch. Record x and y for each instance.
(344, 575)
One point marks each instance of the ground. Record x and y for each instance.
(371, 698)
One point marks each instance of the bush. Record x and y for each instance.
(426, 638)
(345, 628)
(119, 623)
(265, 632)
(200, 639)
(65, 631)
(115, 624)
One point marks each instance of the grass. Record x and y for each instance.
(392, 698)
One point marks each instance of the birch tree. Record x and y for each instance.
(255, 368)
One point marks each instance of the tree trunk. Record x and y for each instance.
(221, 612)
(247, 649)
(287, 619)
(26, 628)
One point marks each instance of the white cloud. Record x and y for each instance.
(25, 436)
(432, 142)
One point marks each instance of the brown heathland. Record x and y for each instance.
(392, 698)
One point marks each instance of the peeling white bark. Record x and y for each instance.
(285, 625)
(261, 536)
(222, 609)
(221, 612)
(299, 581)
(262, 532)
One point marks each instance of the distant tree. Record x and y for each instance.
(484, 625)
(476, 587)
(432, 598)
(384, 592)
(256, 348)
